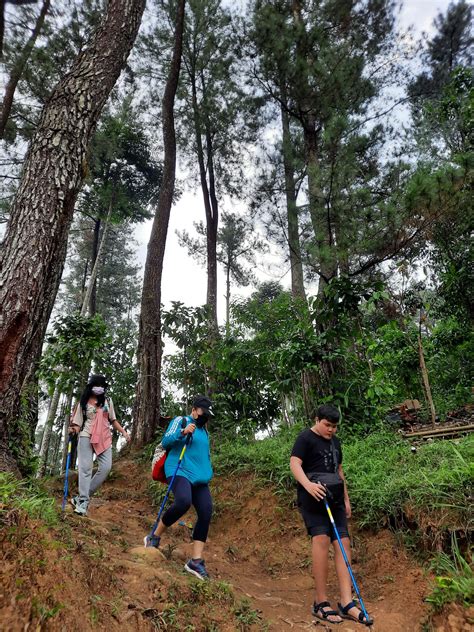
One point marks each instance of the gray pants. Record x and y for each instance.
(85, 453)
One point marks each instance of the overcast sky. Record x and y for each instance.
(183, 278)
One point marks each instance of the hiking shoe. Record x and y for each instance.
(197, 568)
(152, 540)
(74, 501)
(80, 507)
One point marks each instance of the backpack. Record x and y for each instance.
(159, 458)
(158, 464)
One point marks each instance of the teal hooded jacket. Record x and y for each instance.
(196, 464)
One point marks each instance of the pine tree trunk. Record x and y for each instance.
(320, 217)
(91, 304)
(297, 283)
(227, 296)
(18, 68)
(48, 428)
(212, 222)
(34, 247)
(66, 422)
(211, 207)
(148, 403)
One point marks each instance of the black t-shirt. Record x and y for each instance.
(316, 455)
(316, 452)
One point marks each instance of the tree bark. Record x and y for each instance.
(227, 294)
(320, 216)
(212, 222)
(297, 283)
(19, 66)
(89, 302)
(311, 123)
(148, 403)
(66, 422)
(211, 206)
(48, 429)
(34, 249)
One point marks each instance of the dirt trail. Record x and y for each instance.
(261, 550)
(94, 573)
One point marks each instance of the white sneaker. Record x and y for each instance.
(80, 507)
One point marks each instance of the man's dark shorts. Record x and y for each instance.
(317, 520)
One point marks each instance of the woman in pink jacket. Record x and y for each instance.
(92, 421)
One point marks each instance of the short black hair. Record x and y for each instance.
(329, 412)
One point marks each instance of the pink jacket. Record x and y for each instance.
(101, 437)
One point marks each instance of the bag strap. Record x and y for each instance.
(334, 456)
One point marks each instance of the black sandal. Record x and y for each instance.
(344, 613)
(318, 612)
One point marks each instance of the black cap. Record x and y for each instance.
(201, 401)
(97, 380)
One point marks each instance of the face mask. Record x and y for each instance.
(98, 390)
(201, 420)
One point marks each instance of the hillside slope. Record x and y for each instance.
(94, 573)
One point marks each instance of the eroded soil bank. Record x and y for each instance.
(94, 573)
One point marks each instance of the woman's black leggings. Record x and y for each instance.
(185, 495)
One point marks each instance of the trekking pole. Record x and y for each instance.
(66, 475)
(368, 620)
(149, 538)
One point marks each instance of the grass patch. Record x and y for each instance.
(25, 496)
(269, 459)
(454, 581)
(384, 476)
(424, 495)
(387, 480)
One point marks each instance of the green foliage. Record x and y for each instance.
(26, 496)
(450, 362)
(268, 458)
(116, 359)
(122, 171)
(187, 327)
(246, 615)
(64, 34)
(275, 340)
(385, 479)
(454, 580)
(45, 611)
(72, 345)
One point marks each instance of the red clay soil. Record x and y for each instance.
(105, 579)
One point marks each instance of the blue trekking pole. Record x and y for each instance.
(368, 621)
(66, 475)
(152, 539)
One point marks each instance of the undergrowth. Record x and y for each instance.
(27, 496)
(454, 581)
(426, 491)
(385, 478)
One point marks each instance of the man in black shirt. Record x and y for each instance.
(317, 456)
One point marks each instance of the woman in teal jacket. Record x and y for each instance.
(191, 485)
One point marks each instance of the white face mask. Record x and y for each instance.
(98, 390)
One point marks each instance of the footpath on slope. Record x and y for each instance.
(256, 544)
